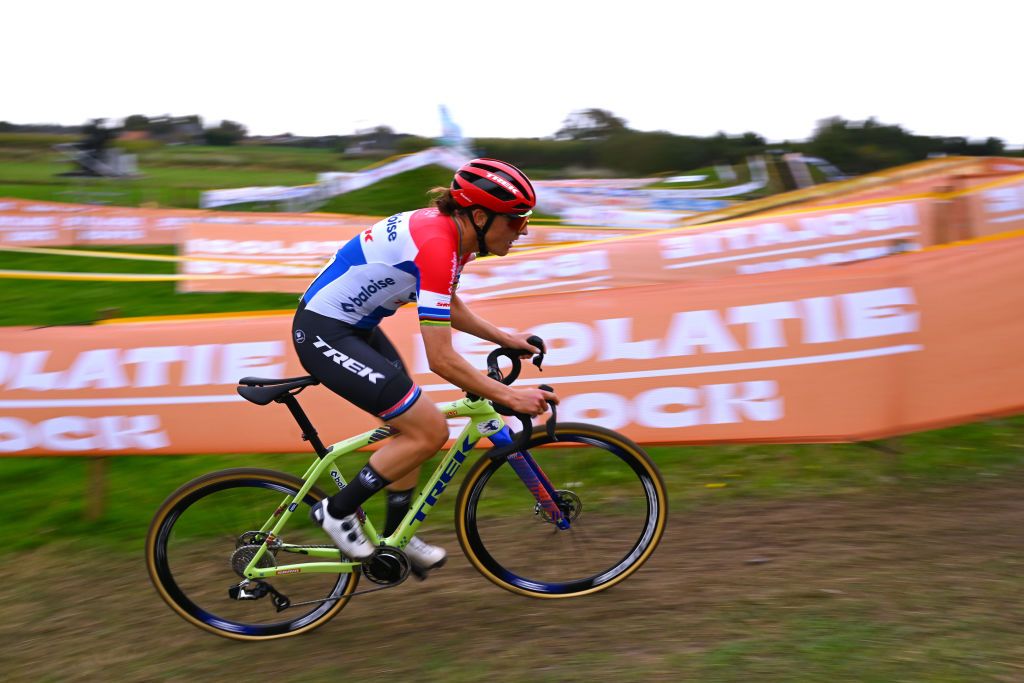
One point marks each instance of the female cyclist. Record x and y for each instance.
(415, 256)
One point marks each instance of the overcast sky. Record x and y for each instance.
(508, 68)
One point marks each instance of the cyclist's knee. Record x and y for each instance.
(424, 425)
(434, 433)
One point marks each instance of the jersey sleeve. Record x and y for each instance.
(438, 269)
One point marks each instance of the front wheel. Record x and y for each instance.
(608, 488)
(205, 534)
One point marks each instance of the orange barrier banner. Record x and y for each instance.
(265, 258)
(270, 258)
(816, 236)
(859, 351)
(36, 223)
(997, 207)
(763, 243)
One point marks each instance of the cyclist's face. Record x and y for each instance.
(505, 230)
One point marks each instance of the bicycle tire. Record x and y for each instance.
(167, 567)
(493, 528)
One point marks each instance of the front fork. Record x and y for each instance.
(534, 478)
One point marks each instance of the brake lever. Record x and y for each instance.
(539, 343)
(552, 421)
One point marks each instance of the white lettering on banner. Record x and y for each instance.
(826, 259)
(103, 221)
(260, 247)
(678, 407)
(819, 320)
(1004, 199)
(617, 332)
(27, 221)
(550, 268)
(211, 268)
(143, 367)
(77, 434)
(30, 235)
(877, 313)
(95, 235)
(870, 219)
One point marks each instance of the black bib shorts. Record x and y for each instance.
(361, 366)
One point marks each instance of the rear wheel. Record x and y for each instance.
(204, 535)
(606, 485)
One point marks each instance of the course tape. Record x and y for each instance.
(108, 277)
(143, 257)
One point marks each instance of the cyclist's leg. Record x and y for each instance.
(422, 432)
(363, 367)
(422, 422)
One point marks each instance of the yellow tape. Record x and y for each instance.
(194, 316)
(148, 257)
(109, 277)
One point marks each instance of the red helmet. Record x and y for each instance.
(494, 185)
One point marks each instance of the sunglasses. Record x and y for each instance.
(517, 221)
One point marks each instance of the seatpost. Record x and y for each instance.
(308, 432)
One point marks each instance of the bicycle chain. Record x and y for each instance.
(344, 597)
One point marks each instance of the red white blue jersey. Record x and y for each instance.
(412, 256)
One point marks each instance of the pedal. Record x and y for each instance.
(422, 574)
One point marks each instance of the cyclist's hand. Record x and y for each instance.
(518, 340)
(531, 401)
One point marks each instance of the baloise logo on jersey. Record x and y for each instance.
(365, 293)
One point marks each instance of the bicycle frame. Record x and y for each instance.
(484, 421)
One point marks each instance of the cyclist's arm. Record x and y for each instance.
(447, 363)
(465, 320)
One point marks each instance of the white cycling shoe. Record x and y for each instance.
(346, 532)
(424, 557)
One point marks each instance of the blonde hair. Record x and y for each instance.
(441, 198)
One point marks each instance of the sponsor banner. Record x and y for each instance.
(336, 183)
(873, 349)
(32, 223)
(542, 235)
(561, 199)
(244, 195)
(262, 258)
(934, 177)
(817, 236)
(824, 236)
(627, 218)
(995, 208)
(284, 259)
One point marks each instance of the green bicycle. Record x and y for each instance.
(569, 511)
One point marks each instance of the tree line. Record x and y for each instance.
(596, 139)
(167, 129)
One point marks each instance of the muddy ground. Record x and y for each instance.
(893, 586)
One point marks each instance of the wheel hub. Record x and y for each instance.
(568, 502)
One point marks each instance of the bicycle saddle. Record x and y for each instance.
(262, 390)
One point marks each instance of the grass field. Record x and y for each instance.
(174, 176)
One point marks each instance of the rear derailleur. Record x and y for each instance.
(254, 589)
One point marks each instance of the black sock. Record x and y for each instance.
(356, 492)
(399, 503)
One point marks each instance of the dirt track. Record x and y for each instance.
(916, 576)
